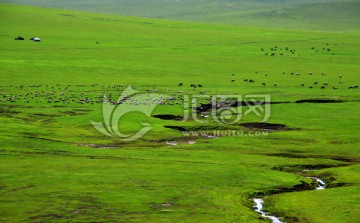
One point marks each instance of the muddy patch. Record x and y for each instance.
(21, 188)
(299, 187)
(305, 156)
(68, 15)
(305, 168)
(227, 104)
(100, 146)
(265, 126)
(201, 128)
(178, 128)
(319, 101)
(31, 135)
(184, 140)
(169, 117)
(287, 155)
(175, 143)
(73, 113)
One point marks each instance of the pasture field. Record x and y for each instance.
(56, 167)
(324, 15)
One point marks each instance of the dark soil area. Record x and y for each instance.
(169, 117)
(319, 101)
(264, 125)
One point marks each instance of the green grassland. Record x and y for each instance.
(55, 166)
(334, 15)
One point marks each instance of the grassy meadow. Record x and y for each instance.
(56, 167)
(324, 15)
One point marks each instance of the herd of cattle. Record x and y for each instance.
(274, 51)
(322, 85)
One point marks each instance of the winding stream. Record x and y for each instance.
(258, 208)
(321, 184)
(259, 202)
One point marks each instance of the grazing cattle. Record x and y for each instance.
(36, 39)
(340, 82)
(193, 85)
(302, 85)
(356, 87)
(340, 76)
(262, 49)
(200, 85)
(233, 74)
(180, 84)
(19, 38)
(233, 80)
(310, 73)
(311, 87)
(251, 81)
(326, 84)
(297, 74)
(246, 80)
(335, 88)
(315, 83)
(263, 84)
(275, 84)
(351, 87)
(273, 54)
(322, 87)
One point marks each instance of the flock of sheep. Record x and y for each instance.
(80, 94)
(86, 94)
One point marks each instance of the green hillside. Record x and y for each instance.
(336, 15)
(56, 167)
